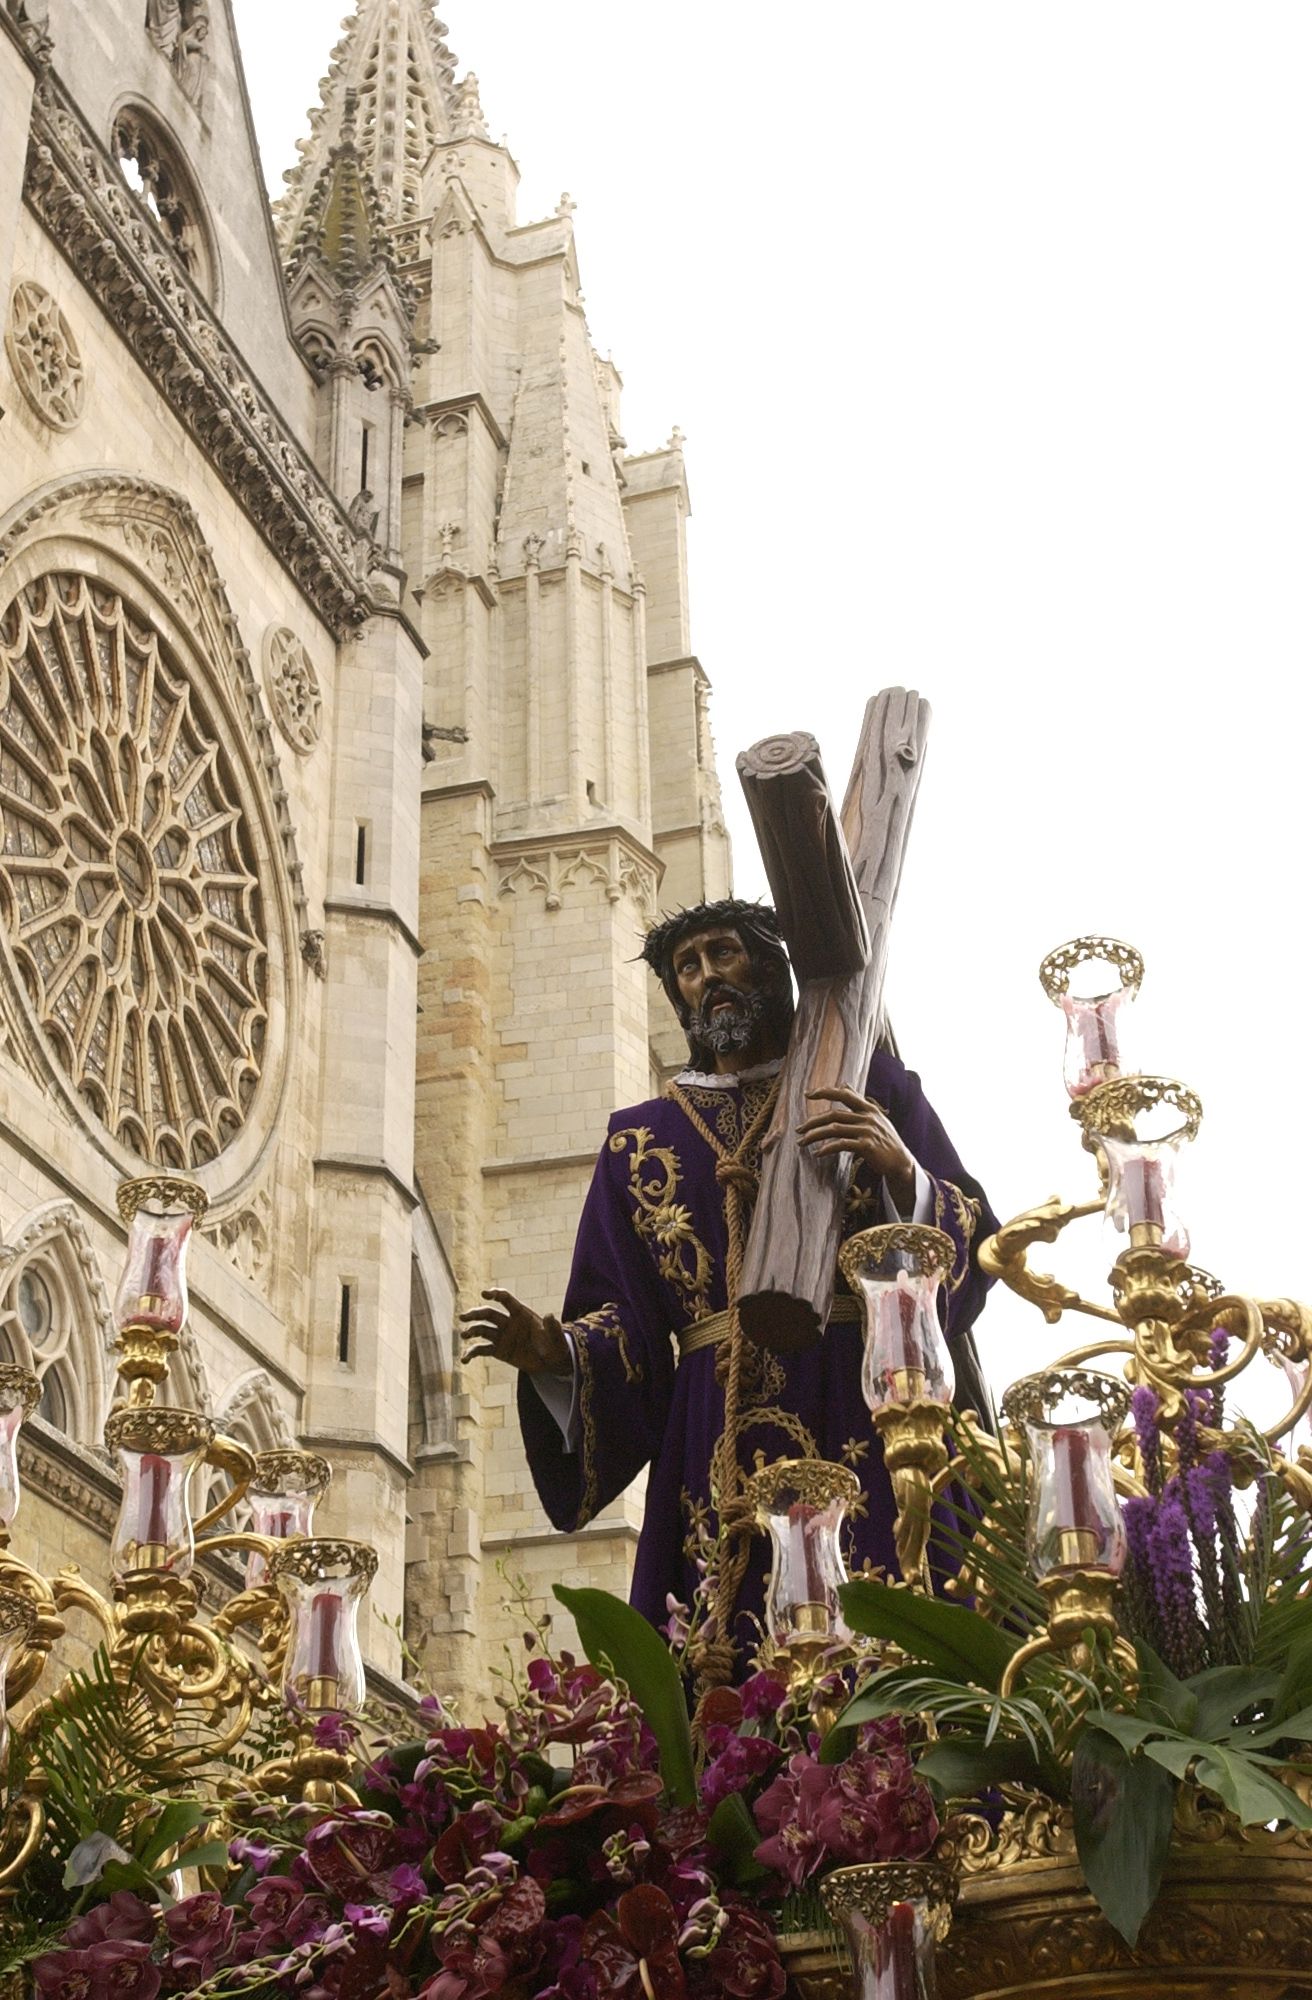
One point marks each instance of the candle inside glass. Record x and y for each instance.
(893, 1960)
(1141, 1193)
(1075, 1517)
(1092, 1053)
(906, 1356)
(152, 1292)
(807, 1567)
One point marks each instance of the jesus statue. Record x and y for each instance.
(627, 1376)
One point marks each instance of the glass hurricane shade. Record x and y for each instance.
(1141, 1192)
(322, 1584)
(1070, 1421)
(285, 1488)
(895, 1272)
(152, 1292)
(157, 1450)
(19, 1394)
(1093, 1053)
(893, 1915)
(803, 1505)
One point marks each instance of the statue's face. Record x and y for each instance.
(726, 1001)
(715, 965)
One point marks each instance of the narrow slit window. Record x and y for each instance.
(366, 439)
(361, 852)
(344, 1311)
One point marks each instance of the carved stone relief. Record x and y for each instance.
(609, 865)
(78, 193)
(44, 356)
(293, 685)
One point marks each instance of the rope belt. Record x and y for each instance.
(717, 1327)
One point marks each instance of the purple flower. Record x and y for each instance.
(370, 1919)
(334, 1732)
(787, 1812)
(199, 1930)
(762, 1696)
(739, 1761)
(111, 1969)
(123, 1916)
(1146, 1409)
(1171, 1579)
(257, 1855)
(405, 1885)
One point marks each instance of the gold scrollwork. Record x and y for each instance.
(662, 1222)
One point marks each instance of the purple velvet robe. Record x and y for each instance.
(649, 1260)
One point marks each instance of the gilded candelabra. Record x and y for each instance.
(297, 1612)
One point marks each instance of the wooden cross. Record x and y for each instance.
(834, 885)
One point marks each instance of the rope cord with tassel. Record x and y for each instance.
(715, 1653)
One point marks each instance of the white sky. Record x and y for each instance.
(990, 331)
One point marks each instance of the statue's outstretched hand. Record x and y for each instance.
(854, 1124)
(512, 1332)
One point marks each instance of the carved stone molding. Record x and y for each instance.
(75, 190)
(44, 356)
(294, 693)
(243, 1236)
(612, 865)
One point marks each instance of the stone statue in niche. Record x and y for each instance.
(163, 21)
(191, 54)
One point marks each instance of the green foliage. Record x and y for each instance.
(112, 1820)
(1123, 1809)
(618, 1639)
(948, 1637)
(733, 1835)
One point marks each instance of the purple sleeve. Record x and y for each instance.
(615, 1316)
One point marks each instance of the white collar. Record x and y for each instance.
(702, 1079)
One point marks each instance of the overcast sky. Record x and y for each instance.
(990, 331)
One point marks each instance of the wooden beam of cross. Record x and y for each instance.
(834, 885)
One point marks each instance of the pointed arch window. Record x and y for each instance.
(38, 1324)
(153, 168)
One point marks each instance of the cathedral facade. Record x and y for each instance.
(350, 737)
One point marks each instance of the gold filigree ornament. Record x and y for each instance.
(1056, 969)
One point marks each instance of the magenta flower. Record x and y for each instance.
(740, 1760)
(787, 1813)
(199, 1930)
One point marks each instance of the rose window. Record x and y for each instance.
(128, 887)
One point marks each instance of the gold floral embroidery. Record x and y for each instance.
(663, 1223)
(965, 1213)
(606, 1320)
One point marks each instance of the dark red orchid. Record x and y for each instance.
(635, 1953)
(634, 1797)
(745, 1964)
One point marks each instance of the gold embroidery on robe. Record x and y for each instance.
(664, 1223)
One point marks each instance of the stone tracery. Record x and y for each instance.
(44, 356)
(128, 890)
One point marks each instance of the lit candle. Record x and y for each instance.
(900, 1979)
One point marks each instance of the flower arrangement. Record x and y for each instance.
(586, 1845)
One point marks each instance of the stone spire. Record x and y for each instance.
(394, 68)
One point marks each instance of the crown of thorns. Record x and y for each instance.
(756, 922)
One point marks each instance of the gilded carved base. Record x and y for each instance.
(1233, 1920)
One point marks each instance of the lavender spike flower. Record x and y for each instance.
(1171, 1575)
(1146, 1409)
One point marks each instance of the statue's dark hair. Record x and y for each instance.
(755, 923)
